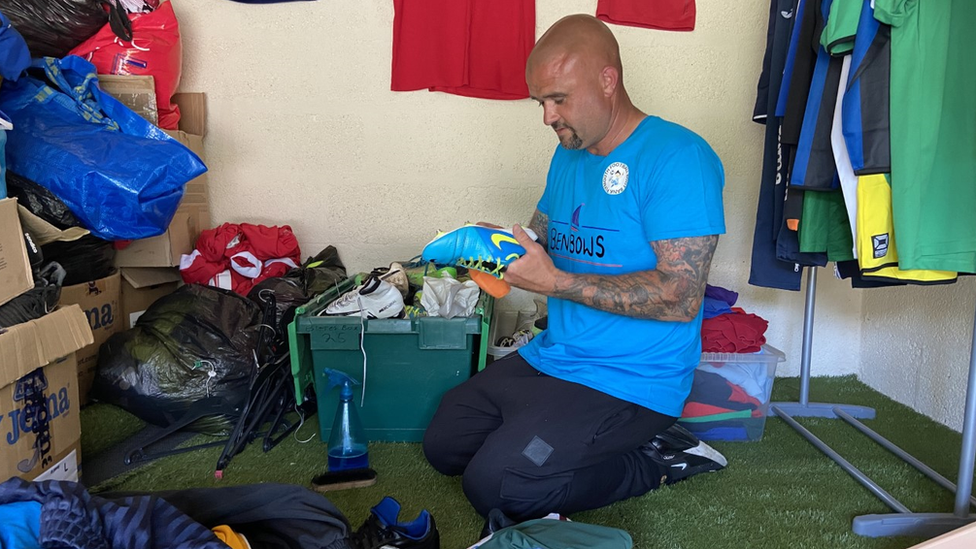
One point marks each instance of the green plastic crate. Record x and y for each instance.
(410, 363)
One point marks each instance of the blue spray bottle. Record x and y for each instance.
(347, 443)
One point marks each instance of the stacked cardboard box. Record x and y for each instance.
(40, 429)
(141, 287)
(15, 271)
(100, 301)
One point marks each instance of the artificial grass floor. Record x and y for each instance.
(780, 492)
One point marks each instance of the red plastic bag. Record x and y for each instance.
(155, 50)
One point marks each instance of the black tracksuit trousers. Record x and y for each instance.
(531, 444)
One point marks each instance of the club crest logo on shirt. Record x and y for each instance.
(615, 178)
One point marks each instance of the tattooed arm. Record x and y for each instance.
(673, 291)
(540, 224)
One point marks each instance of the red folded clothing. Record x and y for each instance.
(733, 333)
(236, 257)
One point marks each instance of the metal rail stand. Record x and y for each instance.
(805, 408)
(903, 522)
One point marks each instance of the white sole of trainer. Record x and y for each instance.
(708, 452)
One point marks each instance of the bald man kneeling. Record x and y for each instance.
(584, 415)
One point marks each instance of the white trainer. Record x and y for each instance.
(374, 298)
(394, 274)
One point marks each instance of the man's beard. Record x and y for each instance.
(574, 141)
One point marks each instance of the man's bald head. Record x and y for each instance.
(580, 39)
(574, 72)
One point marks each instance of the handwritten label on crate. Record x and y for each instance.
(336, 336)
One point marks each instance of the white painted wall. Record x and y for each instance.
(916, 345)
(304, 130)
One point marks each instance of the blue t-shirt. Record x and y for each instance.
(662, 182)
(21, 522)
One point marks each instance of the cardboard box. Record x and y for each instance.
(142, 286)
(138, 92)
(15, 271)
(193, 215)
(38, 372)
(99, 300)
(44, 233)
(193, 112)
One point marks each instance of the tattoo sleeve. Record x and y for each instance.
(540, 224)
(673, 291)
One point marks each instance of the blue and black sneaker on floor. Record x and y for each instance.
(382, 529)
(682, 455)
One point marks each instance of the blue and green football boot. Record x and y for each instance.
(475, 247)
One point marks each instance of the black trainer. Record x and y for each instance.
(382, 529)
(682, 455)
(496, 521)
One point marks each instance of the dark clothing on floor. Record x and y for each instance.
(271, 516)
(73, 519)
(530, 444)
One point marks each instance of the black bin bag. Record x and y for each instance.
(40, 201)
(194, 344)
(52, 28)
(299, 285)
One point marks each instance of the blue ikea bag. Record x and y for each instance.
(14, 58)
(14, 55)
(122, 177)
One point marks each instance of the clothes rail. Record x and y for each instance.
(805, 408)
(903, 522)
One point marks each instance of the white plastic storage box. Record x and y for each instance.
(729, 398)
(503, 323)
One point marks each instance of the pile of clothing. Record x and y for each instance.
(728, 329)
(726, 396)
(723, 397)
(238, 256)
(64, 514)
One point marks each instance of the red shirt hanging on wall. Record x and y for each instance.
(673, 15)
(475, 48)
